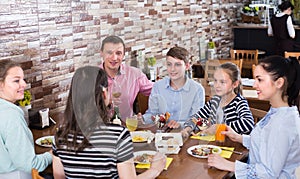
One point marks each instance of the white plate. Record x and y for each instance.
(141, 136)
(189, 150)
(38, 141)
(140, 153)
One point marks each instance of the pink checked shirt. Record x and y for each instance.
(132, 81)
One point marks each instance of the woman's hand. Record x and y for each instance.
(235, 137)
(215, 160)
(173, 124)
(158, 162)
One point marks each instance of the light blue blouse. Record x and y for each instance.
(16, 142)
(274, 146)
(181, 103)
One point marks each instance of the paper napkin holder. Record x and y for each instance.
(39, 118)
(168, 143)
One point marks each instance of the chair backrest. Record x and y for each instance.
(258, 114)
(291, 54)
(142, 101)
(253, 68)
(35, 174)
(249, 57)
(238, 62)
(211, 65)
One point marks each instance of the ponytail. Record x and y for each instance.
(293, 80)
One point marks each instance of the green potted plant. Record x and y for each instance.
(152, 61)
(211, 45)
(211, 49)
(25, 104)
(26, 100)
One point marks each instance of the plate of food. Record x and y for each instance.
(202, 151)
(141, 136)
(144, 157)
(45, 141)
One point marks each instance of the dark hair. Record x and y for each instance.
(289, 70)
(112, 39)
(86, 109)
(234, 73)
(179, 53)
(285, 5)
(5, 65)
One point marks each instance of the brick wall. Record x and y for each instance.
(53, 38)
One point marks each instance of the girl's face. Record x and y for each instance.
(176, 68)
(12, 88)
(223, 85)
(264, 85)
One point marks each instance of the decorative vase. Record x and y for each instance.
(152, 71)
(210, 53)
(25, 110)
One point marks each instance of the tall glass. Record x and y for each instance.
(131, 123)
(219, 129)
(116, 93)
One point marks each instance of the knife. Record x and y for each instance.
(233, 151)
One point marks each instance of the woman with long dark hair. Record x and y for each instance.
(87, 145)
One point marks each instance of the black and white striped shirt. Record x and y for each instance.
(110, 146)
(237, 114)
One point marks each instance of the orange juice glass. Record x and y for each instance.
(219, 128)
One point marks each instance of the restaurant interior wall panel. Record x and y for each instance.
(52, 39)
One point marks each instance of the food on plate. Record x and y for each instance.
(161, 119)
(46, 141)
(201, 123)
(138, 138)
(204, 151)
(144, 158)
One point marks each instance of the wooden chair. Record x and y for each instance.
(253, 68)
(238, 62)
(291, 54)
(35, 174)
(258, 114)
(211, 65)
(142, 101)
(249, 57)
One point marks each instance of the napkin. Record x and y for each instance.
(206, 137)
(141, 165)
(226, 154)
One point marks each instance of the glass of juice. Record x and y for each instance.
(219, 128)
(131, 123)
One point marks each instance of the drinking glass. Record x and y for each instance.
(131, 123)
(219, 136)
(116, 93)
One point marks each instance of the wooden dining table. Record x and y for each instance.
(183, 164)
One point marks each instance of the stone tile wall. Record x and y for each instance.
(52, 38)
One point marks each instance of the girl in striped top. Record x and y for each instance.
(87, 145)
(227, 106)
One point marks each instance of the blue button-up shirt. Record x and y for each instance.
(181, 103)
(274, 146)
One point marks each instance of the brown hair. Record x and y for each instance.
(5, 65)
(86, 109)
(179, 53)
(112, 39)
(234, 73)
